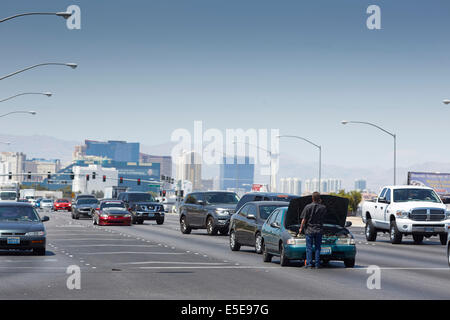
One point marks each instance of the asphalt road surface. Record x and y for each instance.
(153, 261)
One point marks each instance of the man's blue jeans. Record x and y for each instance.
(316, 240)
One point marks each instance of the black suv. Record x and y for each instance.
(208, 210)
(142, 206)
(265, 196)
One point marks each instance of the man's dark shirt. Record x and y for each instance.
(313, 215)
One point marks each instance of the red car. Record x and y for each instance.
(62, 204)
(111, 212)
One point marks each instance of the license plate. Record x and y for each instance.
(429, 229)
(150, 215)
(13, 241)
(325, 250)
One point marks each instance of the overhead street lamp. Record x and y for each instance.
(12, 112)
(389, 133)
(446, 101)
(320, 155)
(64, 15)
(270, 155)
(72, 65)
(48, 94)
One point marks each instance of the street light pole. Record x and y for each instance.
(72, 65)
(48, 94)
(12, 112)
(393, 135)
(65, 15)
(320, 155)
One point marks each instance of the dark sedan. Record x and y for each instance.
(84, 207)
(246, 224)
(22, 228)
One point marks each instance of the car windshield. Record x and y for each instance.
(112, 205)
(221, 197)
(47, 201)
(63, 201)
(136, 197)
(18, 213)
(265, 211)
(8, 195)
(87, 201)
(404, 195)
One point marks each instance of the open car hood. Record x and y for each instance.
(337, 208)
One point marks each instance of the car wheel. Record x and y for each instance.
(94, 222)
(395, 235)
(349, 263)
(141, 222)
(267, 257)
(159, 221)
(448, 254)
(284, 261)
(418, 238)
(234, 245)
(39, 251)
(258, 243)
(371, 232)
(77, 217)
(212, 231)
(184, 228)
(443, 238)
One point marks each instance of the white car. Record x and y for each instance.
(46, 204)
(406, 210)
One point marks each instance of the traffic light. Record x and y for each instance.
(49, 176)
(87, 177)
(163, 178)
(93, 175)
(172, 181)
(121, 180)
(164, 193)
(29, 175)
(139, 182)
(10, 175)
(72, 176)
(104, 178)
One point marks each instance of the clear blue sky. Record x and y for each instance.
(148, 67)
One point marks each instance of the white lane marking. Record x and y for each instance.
(121, 252)
(14, 261)
(278, 267)
(175, 262)
(112, 245)
(91, 239)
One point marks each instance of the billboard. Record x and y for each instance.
(440, 182)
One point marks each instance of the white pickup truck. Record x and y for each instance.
(406, 210)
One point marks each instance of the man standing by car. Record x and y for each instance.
(312, 220)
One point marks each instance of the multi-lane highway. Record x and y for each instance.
(153, 261)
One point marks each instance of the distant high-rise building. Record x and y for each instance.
(237, 173)
(291, 186)
(334, 185)
(326, 185)
(164, 161)
(13, 162)
(121, 151)
(360, 185)
(189, 167)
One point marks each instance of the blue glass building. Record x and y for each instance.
(237, 173)
(121, 151)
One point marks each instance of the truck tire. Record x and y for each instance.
(395, 235)
(443, 238)
(448, 254)
(418, 238)
(371, 232)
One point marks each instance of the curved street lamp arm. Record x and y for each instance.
(12, 112)
(373, 125)
(285, 136)
(257, 147)
(31, 67)
(27, 14)
(22, 94)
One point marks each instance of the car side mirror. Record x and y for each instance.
(275, 225)
(157, 200)
(201, 202)
(98, 209)
(348, 224)
(382, 199)
(45, 218)
(251, 216)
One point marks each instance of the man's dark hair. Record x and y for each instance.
(316, 197)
